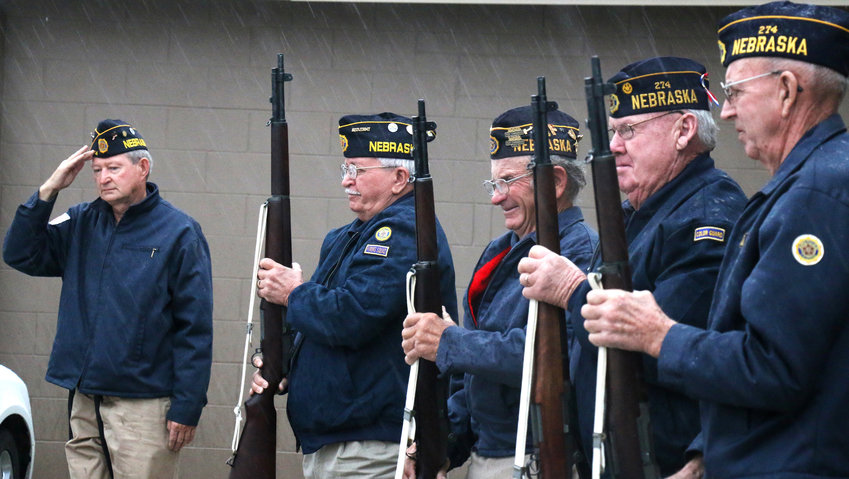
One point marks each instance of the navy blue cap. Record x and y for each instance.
(113, 137)
(385, 135)
(660, 84)
(511, 134)
(810, 33)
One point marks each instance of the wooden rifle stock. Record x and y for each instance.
(627, 417)
(550, 385)
(255, 457)
(431, 392)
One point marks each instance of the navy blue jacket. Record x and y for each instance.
(773, 370)
(135, 312)
(349, 378)
(675, 245)
(485, 355)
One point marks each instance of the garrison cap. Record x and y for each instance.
(660, 84)
(511, 134)
(385, 135)
(809, 33)
(113, 137)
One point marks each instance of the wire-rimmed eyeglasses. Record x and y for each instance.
(626, 131)
(351, 171)
(731, 93)
(501, 185)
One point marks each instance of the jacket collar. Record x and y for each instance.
(814, 137)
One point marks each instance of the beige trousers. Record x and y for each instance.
(372, 459)
(135, 433)
(491, 467)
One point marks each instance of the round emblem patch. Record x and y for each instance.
(343, 140)
(808, 250)
(493, 145)
(383, 234)
(614, 103)
(393, 127)
(102, 146)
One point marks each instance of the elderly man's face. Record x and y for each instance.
(120, 182)
(755, 109)
(645, 162)
(371, 191)
(518, 203)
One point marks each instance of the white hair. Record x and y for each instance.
(576, 178)
(707, 128)
(405, 163)
(136, 155)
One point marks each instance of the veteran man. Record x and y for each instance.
(134, 336)
(770, 371)
(484, 356)
(348, 378)
(678, 213)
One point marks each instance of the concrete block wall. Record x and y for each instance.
(194, 78)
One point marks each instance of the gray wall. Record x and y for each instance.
(194, 77)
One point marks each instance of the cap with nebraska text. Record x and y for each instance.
(385, 135)
(113, 137)
(810, 33)
(660, 84)
(511, 134)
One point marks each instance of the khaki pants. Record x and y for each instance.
(135, 433)
(491, 467)
(372, 459)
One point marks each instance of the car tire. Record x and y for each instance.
(9, 461)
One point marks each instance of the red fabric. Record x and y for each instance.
(481, 280)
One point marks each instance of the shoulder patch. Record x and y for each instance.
(383, 234)
(60, 219)
(709, 232)
(376, 250)
(808, 250)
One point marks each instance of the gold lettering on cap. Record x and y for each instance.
(778, 44)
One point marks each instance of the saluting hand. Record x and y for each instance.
(549, 277)
(421, 335)
(625, 320)
(275, 282)
(65, 173)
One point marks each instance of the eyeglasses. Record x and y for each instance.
(626, 131)
(501, 185)
(732, 93)
(350, 171)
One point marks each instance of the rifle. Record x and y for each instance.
(629, 437)
(255, 457)
(550, 420)
(430, 392)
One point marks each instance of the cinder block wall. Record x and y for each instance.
(194, 77)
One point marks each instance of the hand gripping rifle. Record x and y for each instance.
(546, 359)
(429, 408)
(628, 441)
(255, 457)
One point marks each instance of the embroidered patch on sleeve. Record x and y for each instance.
(60, 219)
(808, 250)
(377, 250)
(383, 234)
(709, 232)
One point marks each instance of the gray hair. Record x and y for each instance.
(707, 128)
(824, 82)
(136, 155)
(405, 163)
(576, 178)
